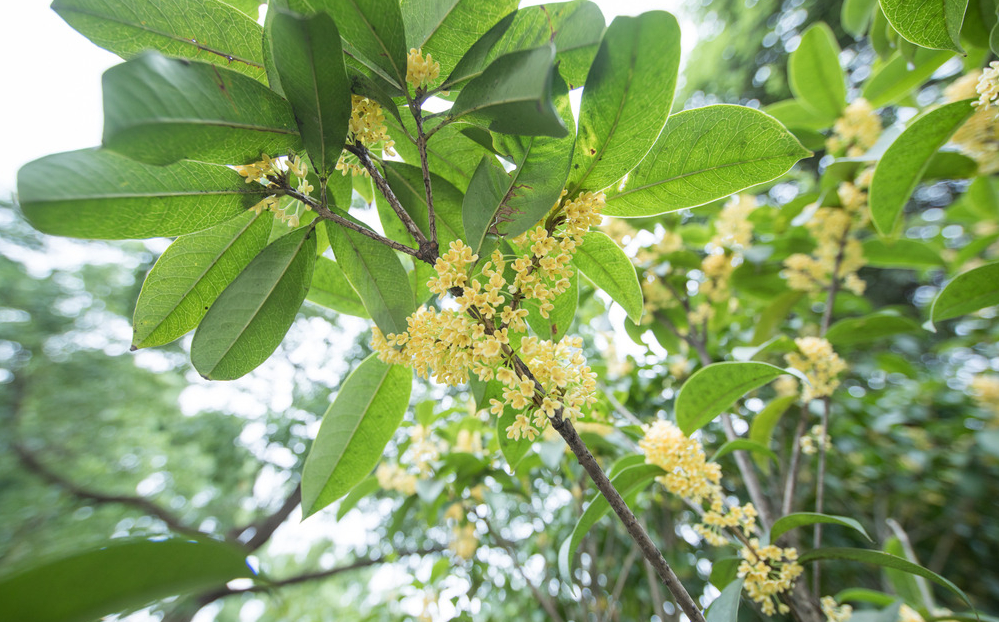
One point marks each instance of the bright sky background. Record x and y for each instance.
(52, 99)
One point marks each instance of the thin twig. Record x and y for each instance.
(790, 483)
(820, 491)
(261, 530)
(510, 549)
(421, 146)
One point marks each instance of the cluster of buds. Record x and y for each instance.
(768, 571)
(421, 71)
(367, 127)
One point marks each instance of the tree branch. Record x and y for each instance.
(421, 145)
(508, 547)
(262, 529)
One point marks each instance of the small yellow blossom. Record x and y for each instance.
(985, 389)
(835, 612)
(856, 131)
(768, 572)
(978, 137)
(394, 477)
(786, 386)
(464, 542)
(820, 364)
(988, 86)
(688, 473)
(831, 227)
(366, 126)
(421, 71)
(733, 227)
(810, 442)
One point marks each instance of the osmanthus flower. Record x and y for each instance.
(820, 364)
(395, 477)
(978, 137)
(988, 86)
(733, 229)
(366, 126)
(835, 612)
(270, 173)
(856, 131)
(421, 71)
(486, 327)
(985, 388)
(810, 442)
(768, 571)
(464, 541)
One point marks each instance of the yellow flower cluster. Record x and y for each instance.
(835, 612)
(985, 388)
(856, 131)
(691, 476)
(988, 86)
(831, 227)
(733, 229)
(810, 442)
(820, 365)
(366, 126)
(421, 71)
(978, 137)
(768, 571)
(268, 172)
(785, 386)
(468, 442)
(425, 449)
(476, 335)
(394, 477)
(656, 296)
(464, 542)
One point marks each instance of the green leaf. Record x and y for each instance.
(331, 289)
(884, 560)
(966, 293)
(248, 320)
(897, 78)
(950, 165)
(446, 29)
(477, 57)
(744, 444)
(814, 74)
(207, 30)
(509, 204)
(407, 183)
(864, 595)
(372, 32)
(901, 167)
(560, 319)
(99, 194)
(602, 260)
(513, 451)
(761, 429)
(705, 154)
(309, 61)
(451, 154)
(795, 115)
(855, 16)
(627, 481)
(800, 519)
(901, 253)
(514, 95)
(358, 424)
(122, 574)
(628, 96)
(159, 110)
(725, 608)
(935, 25)
(713, 389)
(856, 330)
(367, 486)
(190, 274)
(774, 315)
(377, 275)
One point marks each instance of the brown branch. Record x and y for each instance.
(820, 491)
(792, 469)
(262, 529)
(649, 550)
(31, 462)
(510, 549)
(421, 146)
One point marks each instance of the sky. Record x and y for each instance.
(52, 101)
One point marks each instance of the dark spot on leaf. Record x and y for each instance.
(206, 308)
(593, 151)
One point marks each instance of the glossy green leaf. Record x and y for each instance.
(331, 289)
(451, 154)
(407, 183)
(967, 293)
(935, 25)
(509, 204)
(628, 95)
(477, 57)
(372, 32)
(881, 559)
(901, 167)
(367, 486)
(627, 481)
(725, 608)
(855, 16)
(800, 519)
(761, 428)
(377, 275)
(190, 274)
(248, 320)
(705, 154)
(514, 95)
(897, 78)
(358, 424)
(857, 330)
(744, 444)
(713, 389)
(210, 31)
(159, 110)
(864, 595)
(99, 194)
(446, 29)
(606, 264)
(309, 61)
(122, 574)
(814, 74)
